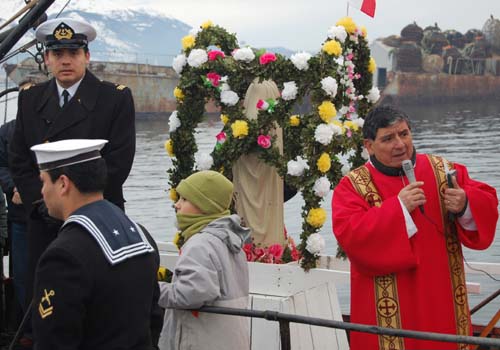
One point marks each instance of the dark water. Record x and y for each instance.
(469, 134)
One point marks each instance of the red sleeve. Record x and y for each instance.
(374, 238)
(483, 204)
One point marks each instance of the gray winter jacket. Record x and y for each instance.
(212, 270)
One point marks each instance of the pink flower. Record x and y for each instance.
(221, 137)
(267, 57)
(259, 252)
(248, 248)
(261, 104)
(214, 54)
(214, 78)
(350, 56)
(276, 250)
(264, 141)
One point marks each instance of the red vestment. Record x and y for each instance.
(376, 241)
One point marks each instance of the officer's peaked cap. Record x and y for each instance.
(68, 33)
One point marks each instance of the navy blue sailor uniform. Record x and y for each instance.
(99, 110)
(96, 284)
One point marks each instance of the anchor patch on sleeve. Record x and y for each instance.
(45, 307)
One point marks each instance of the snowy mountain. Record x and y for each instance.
(125, 32)
(124, 35)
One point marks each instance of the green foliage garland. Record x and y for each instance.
(214, 68)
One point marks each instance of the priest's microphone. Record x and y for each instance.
(407, 166)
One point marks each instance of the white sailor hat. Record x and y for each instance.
(65, 33)
(52, 155)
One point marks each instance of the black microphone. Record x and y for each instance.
(407, 166)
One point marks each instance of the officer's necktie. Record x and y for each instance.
(65, 94)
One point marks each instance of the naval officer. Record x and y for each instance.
(95, 285)
(73, 104)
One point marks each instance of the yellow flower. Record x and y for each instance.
(372, 65)
(348, 24)
(169, 147)
(162, 273)
(339, 124)
(364, 32)
(206, 24)
(173, 195)
(324, 163)
(240, 128)
(176, 238)
(294, 120)
(224, 118)
(327, 111)
(316, 217)
(178, 93)
(187, 42)
(351, 125)
(332, 47)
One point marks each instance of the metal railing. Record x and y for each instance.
(284, 320)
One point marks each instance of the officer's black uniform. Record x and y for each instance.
(99, 110)
(83, 302)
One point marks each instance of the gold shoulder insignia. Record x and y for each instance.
(120, 87)
(45, 307)
(27, 86)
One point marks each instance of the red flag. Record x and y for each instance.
(366, 6)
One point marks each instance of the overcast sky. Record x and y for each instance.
(302, 24)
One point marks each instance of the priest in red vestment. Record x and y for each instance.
(404, 240)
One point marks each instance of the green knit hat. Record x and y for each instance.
(209, 190)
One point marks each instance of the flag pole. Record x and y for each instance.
(347, 9)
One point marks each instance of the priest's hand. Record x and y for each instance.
(455, 198)
(412, 195)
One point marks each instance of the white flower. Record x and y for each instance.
(343, 110)
(322, 187)
(197, 57)
(178, 63)
(338, 33)
(337, 130)
(204, 161)
(323, 134)
(373, 94)
(245, 54)
(359, 121)
(329, 85)
(229, 97)
(173, 122)
(225, 87)
(315, 243)
(297, 167)
(289, 91)
(300, 60)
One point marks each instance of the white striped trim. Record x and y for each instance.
(113, 256)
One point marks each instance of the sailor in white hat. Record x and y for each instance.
(73, 104)
(82, 284)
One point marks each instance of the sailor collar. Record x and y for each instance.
(118, 237)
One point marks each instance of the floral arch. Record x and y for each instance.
(338, 83)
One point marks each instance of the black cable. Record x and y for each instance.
(480, 270)
(465, 260)
(20, 329)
